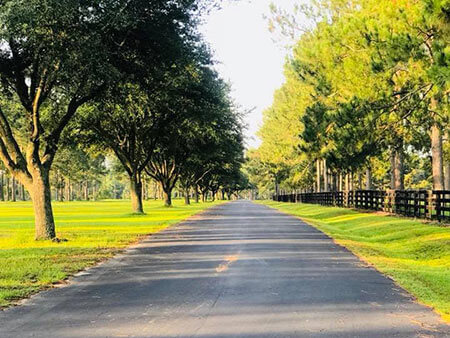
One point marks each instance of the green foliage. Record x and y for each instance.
(368, 78)
(132, 77)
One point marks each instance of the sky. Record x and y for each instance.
(248, 57)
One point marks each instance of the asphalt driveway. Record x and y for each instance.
(238, 270)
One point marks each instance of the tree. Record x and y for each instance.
(200, 136)
(370, 78)
(54, 58)
(137, 114)
(125, 123)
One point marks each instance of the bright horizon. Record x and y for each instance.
(248, 57)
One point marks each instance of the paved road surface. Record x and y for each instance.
(240, 270)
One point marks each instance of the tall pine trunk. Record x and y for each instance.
(318, 176)
(398, 169)
(392, 162)
(397, 174)
(42, 204)
(437, 157)
(136, 193)
(447, 167)
(368, 178)
(447, 175)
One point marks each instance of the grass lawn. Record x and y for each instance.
(414, 254)
(94, 230)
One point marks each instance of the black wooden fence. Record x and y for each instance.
(431, 204)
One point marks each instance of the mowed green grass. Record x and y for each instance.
(93, 230)
(414, 254)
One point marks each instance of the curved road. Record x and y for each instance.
(238, 270)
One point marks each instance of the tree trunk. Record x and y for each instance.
(93, 189)
(20, 192)
(7, 189)
(447, 166)
(359, 180)
(392, 162)
(398, 169)
(325, 175)
(67, 188)
(447, 176)
(187, 200)
(136, 193)
(277, 188)
(2, 195)
(144, 189)
(86, 190)
(368, 178)
(196, 194)
(13, 190)
(318, 176)
(437, 158)
(167, 197)
(42, 204)
(61, 191)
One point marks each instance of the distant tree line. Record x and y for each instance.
(365, 103)
(80, 81)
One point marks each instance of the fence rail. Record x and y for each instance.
(430, 204)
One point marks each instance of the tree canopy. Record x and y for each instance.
(130, 77)
(369, 81)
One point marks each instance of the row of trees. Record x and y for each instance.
(366, 96)
(80, 80)
(96, 177)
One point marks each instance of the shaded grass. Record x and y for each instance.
(416, 255)
(94, 231)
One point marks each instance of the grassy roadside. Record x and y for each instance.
(414, 254)
(94, 230)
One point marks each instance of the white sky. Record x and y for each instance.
(249, 59)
